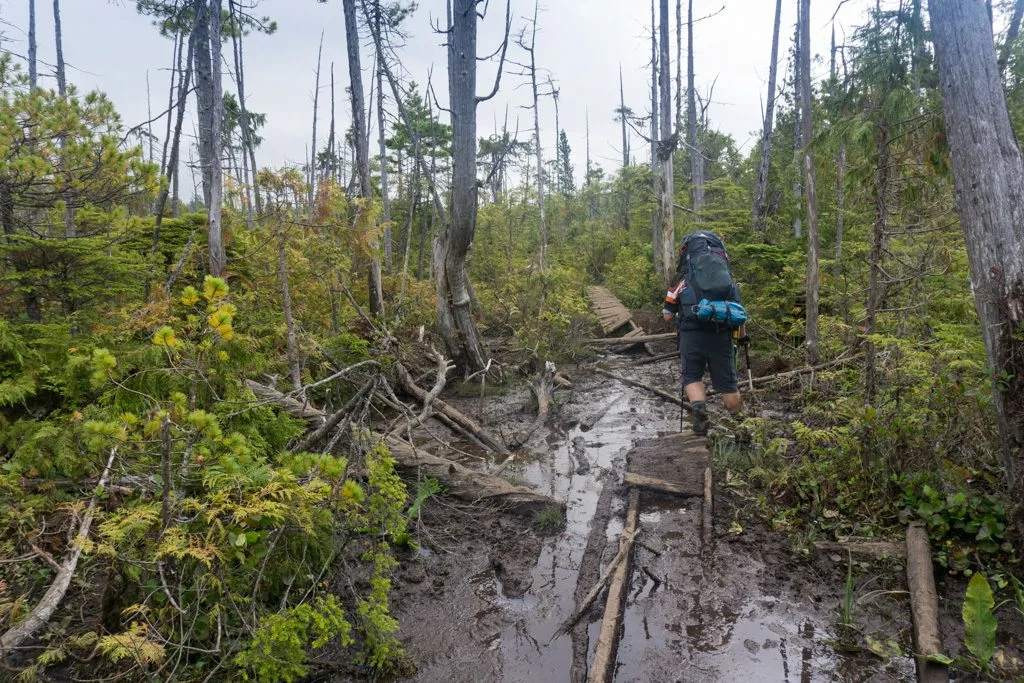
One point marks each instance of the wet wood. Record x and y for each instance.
(596, 590)
(664, 336)
(708, 511)
(805, 370)
(459, 481)
(468, 484)
(924, 606)
(448, 411)
(543, 387)
(602, 669)
(659, 485)
(671, 398)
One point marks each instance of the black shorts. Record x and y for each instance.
(700, 350)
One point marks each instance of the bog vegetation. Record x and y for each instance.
(194, 528)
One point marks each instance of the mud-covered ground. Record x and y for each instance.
(486, 593)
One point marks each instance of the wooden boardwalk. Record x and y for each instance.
(614, 317)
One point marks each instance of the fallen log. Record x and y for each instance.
(924, 607)
(639, 339)
(335, 419)
(48, 604)
(584, 605)
(654, 359)
(601, 671)
(456, 416)
(467, 484)
(805, 370)
(458, 480)
(640, 385)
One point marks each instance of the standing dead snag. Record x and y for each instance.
(811, 334)
(362, 146)
(988, 175)
(766, 132)
(462, 58)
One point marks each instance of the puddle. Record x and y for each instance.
(691, 614)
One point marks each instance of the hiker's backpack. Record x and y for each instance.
(704, 264)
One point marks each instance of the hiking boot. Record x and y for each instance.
(701, 421)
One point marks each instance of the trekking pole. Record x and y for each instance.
(750, 375)
(682, 379)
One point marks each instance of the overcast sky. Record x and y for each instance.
(581, 43)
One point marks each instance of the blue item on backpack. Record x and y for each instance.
(728, 313)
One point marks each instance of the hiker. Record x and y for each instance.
(705, 302)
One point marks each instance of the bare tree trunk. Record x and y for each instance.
(62, 84)
(316, 110)
(766, 133)
(696, 155)
(679, 66)
(656, 170)
(331, 141)
(538, 152)
(558, 147)
(988, 175)
(362, 147)
(1011, 35)
(462, 92)
(171, 175)
(247, 133)
(875, 285)
(62, 89)
(33, 68)
(622, 109)
(176, 73)
(385, 199)
(668, 239)
(218, 258)
(286, 308)
(840, 207)
(211, 110)
(798, 142)
(813, 239)
(624, 200)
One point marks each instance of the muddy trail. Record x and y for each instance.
(720, 600)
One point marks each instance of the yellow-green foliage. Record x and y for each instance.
(277, 651)
(247, 531)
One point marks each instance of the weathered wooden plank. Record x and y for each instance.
(602, 670)
(924, 606)
(660, 485)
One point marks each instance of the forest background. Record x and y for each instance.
(135, 317)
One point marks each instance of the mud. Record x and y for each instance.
(483, 597)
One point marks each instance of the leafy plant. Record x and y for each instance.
(979, 620)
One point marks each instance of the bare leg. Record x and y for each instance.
(733, 402)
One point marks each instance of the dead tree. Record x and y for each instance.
(247, 133)
(696, 156)
(666, 154)
(988, 175)
(1011, 35)
(385, 198)
(656, 175)
(797, 129)
(811, 334)
(766, 132)
(362, 147)
(462, 58)
(316, 110)
(33, 67)
(209, 92)
(538, 151)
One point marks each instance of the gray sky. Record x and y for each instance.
(581, 43)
